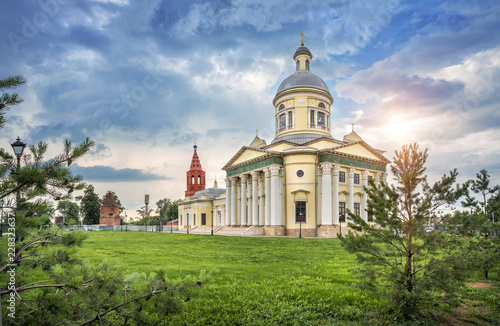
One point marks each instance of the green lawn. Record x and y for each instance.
(270, 281)
(258, 281)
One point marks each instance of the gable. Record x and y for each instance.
(247, 155)
(358, 150)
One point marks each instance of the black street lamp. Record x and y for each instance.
(171, 224)
(18, 147)
(212, 231)
(187, 219)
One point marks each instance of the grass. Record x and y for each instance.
(271, 281)
(258, 281)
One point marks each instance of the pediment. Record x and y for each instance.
(247, 155)
(361, 149)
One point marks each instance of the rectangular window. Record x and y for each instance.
(300, 211)
(341, 176)
(321, 119)
(194, 219)
(181, 220)
(370, 178)
(357, 209)
(282, 121)
(342, 211)
(203, 219)
(290, 119)
(312, 118)
(356, 178)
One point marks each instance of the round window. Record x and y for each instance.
(300, 173)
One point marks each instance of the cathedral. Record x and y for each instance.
(303, 182)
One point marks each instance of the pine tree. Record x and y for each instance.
(399, 259)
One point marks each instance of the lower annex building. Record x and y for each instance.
(303, 181)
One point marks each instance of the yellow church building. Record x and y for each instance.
(303, 181)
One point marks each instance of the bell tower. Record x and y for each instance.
(195, 175)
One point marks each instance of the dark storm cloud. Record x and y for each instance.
(100, 173)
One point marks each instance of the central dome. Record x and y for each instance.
(302, 79)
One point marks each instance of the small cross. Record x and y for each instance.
(194, 140)
(302, 40)
(352, 127)
(257, 132)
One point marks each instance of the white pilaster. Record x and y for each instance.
(234, 202)
(377, 178)
(364, 207)
(320, 196)
(275, 194)
(350, 189)
(268, 194)
(326, 200)
(243, 209)
(335, 190)
(255, 198)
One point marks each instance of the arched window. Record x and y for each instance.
(282, 107)
(307, 64)
(199, 180)
(321, 105)
(192, 179)
(282, 121)
(298, 65)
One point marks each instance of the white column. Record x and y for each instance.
(267, 215)
(377, 178)
(364, 207)
(228, 202)
(255, 198)
(350, 189)
(326, 200)
(223, 215)
(234, 202)
(243, 209)
(384, 177)
(249, 201)
(275, 194)
(335, 190)
(261, 200)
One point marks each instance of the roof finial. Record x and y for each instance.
(256, 132)
(194, 139)
(352, 127)
(302, 40)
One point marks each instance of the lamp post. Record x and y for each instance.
(18, 147)
(171, 223)
(212, 230)
(187, 218)
(146, 201)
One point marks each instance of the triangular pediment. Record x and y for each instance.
(360, 149)
(246, 155)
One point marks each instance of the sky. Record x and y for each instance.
(144, 78)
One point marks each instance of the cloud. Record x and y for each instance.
(101, 173)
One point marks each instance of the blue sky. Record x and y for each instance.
(143, 78)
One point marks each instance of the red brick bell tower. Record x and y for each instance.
(195, 175)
